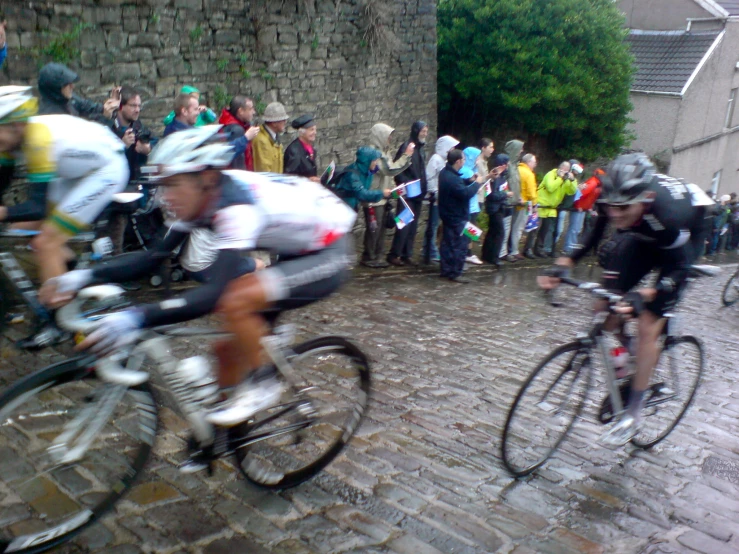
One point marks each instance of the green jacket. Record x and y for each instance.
(204, 118)
(551, 191)
(355, 182)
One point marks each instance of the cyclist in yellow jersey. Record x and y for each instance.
(73, 169)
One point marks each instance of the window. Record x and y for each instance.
(730, 108)
(716, 180)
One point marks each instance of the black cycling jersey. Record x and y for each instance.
(674, 217)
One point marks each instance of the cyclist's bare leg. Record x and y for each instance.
(647, 352)
(50, 247)
(240, 305)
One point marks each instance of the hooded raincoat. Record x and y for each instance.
(389, 168)
(234, 127)
(51, 79)
(552, 190)
(417, 169)
(468, 170)
(438, 161)
(513, 148)
(355, 182)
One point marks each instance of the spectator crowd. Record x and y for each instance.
(523, 215)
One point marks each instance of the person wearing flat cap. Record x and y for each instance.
(266, 148)
(300, 154)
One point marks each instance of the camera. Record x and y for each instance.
(144, 136)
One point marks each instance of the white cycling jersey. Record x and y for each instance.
(284, 214)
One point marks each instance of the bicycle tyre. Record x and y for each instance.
(42, 391)
(510, 434)
(267, 473)
(726, 297)
(670, 343)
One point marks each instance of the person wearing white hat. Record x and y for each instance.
(266, 148)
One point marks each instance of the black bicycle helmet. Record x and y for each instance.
(626, 179)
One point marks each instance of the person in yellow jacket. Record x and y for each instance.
(551, 191)
(266, 148)
(528, 198)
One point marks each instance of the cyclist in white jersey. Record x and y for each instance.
(301, 221)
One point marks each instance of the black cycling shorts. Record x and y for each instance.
(296, 281)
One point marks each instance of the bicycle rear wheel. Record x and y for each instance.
(545, 408)
(331, 400)
(64, 458)
(731, 291)
(672, 389)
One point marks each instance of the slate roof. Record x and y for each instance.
(665, 60)
(731, 6)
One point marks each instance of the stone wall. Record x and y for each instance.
(311, 55)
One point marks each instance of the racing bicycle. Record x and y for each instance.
(553, 396)
(75, 436)
(730, 294)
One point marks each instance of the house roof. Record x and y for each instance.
(666, 60)
(731, 6)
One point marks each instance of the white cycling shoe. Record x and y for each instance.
(248, 399)
(621, 432)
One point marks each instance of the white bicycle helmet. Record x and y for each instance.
(189, 151)
(14, 97)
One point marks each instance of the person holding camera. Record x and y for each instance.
(128, 127)
(553, 188)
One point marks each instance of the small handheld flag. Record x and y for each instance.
(404, 218)
(329, 173)
(488, 188)
(413, 188)
(472, 232)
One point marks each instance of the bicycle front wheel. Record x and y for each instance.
(545, 408)
(300, 438)
(731, 290)
(672, 389)
(70, 446)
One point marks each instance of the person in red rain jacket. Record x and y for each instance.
(589, 193)
(236, 120)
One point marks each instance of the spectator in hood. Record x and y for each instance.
(401, 251)
(454, 210)
(495, 205)
(376, 214)
(468, 171)
(206, 116)
(300, 154)
(355, 181)
(511, 241)
(56, 91)
(433, 168)
(236, 120)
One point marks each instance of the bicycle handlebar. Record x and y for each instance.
(71, 318)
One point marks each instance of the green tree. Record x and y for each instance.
(556, 68)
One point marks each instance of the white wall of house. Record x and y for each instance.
(660, 15)
(701, 163)
(655, 122)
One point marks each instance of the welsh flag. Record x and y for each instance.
(488, 188)
(404, 218)
(472, 232)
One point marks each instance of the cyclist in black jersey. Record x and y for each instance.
(660, 222)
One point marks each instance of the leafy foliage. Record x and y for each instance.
(62, 47)
(557, 68)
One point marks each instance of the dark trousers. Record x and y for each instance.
(374, 241)
(545, 235)
(494, 237)
(453, 250)
(402, 246)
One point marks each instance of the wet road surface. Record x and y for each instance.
(423, 474)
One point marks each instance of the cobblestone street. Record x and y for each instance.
(423, 474)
